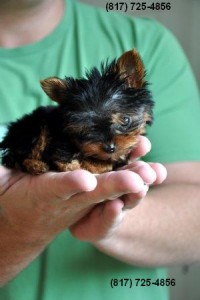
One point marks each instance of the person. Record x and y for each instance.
(105, 242)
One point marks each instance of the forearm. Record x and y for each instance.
(18, 248)
(162, 231)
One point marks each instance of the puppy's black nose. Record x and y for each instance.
(110, 148)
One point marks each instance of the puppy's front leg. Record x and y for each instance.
(96, 167)
(63, 166)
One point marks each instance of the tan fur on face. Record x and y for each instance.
(91, 149)
(116, 118)
(123, 143)
(147, 117)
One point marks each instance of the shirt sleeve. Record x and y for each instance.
(175, 133)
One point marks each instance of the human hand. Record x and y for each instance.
(49, 203)
(52, 202)
(41, 203)
(106, 217)
(34, 209)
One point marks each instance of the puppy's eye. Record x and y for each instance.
(125, 121)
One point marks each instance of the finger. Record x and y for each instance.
(142, 148)
(132, 200)
(112, 215)
(144, 170)
(161, 172)
(112, 185)
(65, 184)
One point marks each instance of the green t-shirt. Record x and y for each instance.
(68, 268)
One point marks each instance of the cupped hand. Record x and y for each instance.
(102, 221)
(42, 203)
(34, 209)
(47, 204)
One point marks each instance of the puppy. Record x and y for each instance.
(95, 125)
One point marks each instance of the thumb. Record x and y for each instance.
(100, 223)
(61, 186)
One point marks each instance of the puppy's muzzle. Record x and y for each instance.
(109, 148)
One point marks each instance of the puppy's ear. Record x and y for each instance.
(131, 67)
(55, 88)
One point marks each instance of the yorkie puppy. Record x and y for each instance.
(95, 125)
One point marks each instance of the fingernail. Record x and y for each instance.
(146, 187)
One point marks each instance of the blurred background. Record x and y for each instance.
(184, 21)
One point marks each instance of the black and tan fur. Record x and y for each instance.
(95, 125)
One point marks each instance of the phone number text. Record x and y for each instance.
(137, 6)
(136, 282)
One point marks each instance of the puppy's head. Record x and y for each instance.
(105, 112)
